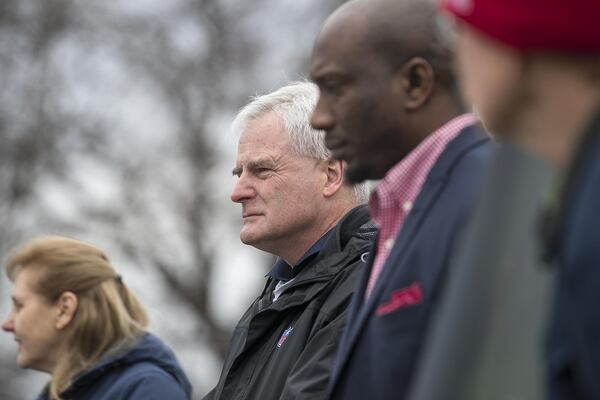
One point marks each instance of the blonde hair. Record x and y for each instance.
(107, 314)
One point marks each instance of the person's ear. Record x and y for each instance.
(66, 308)
(416, 78)
(334, 176)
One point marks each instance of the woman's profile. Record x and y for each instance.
(74, 318)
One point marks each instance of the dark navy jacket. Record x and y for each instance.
(573, 345)
(384, 336)
(146, 371)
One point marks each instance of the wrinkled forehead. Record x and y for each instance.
(264, 136)
(265, 129)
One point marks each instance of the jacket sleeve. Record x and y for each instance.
(155, 386)
(309, 377)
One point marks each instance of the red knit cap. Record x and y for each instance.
(567, 25)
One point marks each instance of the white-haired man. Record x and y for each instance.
(296, 206)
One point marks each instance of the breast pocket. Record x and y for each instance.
(401, 299)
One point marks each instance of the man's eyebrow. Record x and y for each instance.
(253, 165)
(327, 71)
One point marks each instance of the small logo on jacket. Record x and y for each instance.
(284, 336)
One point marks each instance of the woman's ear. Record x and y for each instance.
(66, 308)
(334, 172)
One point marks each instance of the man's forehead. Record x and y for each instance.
(257, 158)
(260, 152)
(267, 131)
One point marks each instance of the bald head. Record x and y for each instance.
(395, 31)
(383, 68)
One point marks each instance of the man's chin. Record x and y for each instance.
(244, 239)
(259, 243)
(248, 238)
(357, 174)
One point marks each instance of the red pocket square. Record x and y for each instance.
(405, 297)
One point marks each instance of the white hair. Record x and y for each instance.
(294, 105)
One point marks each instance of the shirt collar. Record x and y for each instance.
(403, 181)
(282, 271)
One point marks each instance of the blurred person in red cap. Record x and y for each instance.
(532, 70)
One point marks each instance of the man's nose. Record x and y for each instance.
(242, 190)
(322, 118)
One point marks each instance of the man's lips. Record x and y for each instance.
(248, 215)
(337, 149)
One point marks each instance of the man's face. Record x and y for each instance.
(31, 321)
(359, 104)
(490, 76)
(280, 192)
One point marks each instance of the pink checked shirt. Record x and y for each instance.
(393, 197)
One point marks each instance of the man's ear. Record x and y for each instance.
(416, 78)
(334, 173)
(66, 307)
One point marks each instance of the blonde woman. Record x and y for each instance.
(74, 318)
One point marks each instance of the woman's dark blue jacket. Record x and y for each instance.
(148, 371)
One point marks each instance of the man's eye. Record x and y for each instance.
(331, 87)
(263, 173)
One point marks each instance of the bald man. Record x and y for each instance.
(390, 109)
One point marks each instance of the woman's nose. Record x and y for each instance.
(8, 325)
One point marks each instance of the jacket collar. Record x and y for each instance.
(469, 137)
(282, 271)
(147, 348)
(348, 240)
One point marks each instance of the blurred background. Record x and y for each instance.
(114, 128)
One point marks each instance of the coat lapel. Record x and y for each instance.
(359, 294)
(409, 231)
(355, 308)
